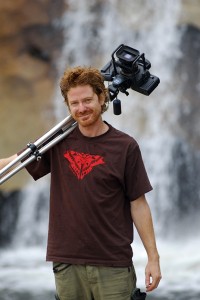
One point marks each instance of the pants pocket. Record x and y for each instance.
(58, 267)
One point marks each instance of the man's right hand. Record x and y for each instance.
(5, 161)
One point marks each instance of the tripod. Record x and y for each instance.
(35, 150)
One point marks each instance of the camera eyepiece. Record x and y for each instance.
(126, 56)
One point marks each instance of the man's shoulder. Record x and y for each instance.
(116, 133)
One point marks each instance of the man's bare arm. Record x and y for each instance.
(142, 220)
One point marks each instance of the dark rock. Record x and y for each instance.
(9, 209)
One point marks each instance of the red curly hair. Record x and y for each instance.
(76, 76)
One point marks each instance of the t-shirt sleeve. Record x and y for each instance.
(40, 168)
(136, 178)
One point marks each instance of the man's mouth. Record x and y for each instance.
(85, 116)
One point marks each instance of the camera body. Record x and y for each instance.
(129, 69)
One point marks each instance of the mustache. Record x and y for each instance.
(82, 114)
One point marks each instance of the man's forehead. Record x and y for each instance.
(80, 91)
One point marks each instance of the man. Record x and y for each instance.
(98, 186)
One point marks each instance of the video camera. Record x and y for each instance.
(129, 70)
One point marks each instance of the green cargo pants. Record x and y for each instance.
(83, 282)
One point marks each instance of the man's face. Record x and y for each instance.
(84, 105)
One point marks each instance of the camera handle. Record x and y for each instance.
(117, 107)
(113, 92)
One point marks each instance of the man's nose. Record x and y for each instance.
(81, 107)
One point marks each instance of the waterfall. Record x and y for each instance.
(93, 29)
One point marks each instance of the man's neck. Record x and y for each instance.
(94, 130)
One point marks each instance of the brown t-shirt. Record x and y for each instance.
(93, 181)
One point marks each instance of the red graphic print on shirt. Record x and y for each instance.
(82, 163)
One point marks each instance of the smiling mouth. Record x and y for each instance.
(84, 116)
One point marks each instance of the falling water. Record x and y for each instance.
(93, 30)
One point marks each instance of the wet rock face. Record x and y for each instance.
(9, 209)
(190, 12)
(29, 23)
(31, 39)
(186, 151)
(189, 72)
